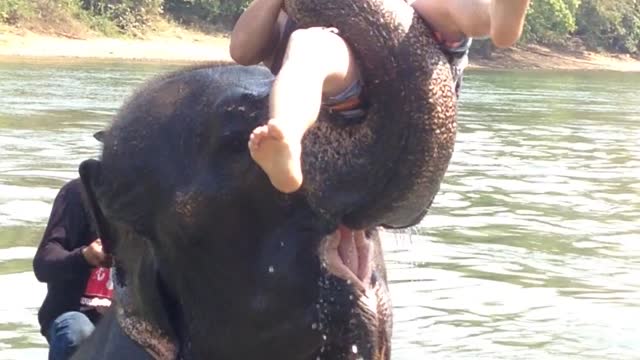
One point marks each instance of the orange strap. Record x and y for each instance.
(349, 104)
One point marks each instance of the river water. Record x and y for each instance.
(531, 250)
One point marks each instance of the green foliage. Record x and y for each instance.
(610, 24)
(212, 11)
(44, 15)
(550, 20)
(13, 12)
(128, 15)
(603, 24)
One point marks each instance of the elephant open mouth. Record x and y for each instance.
(175, 167)
(347, 254)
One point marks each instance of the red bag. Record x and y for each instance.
(99, 289)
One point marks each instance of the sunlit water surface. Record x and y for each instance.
(531, 250)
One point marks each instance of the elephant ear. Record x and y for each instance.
(99, 136)
(411, 115)
(91, 177)
(142, 295)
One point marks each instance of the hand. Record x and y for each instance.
(95, 256)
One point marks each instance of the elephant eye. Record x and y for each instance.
(234, 142)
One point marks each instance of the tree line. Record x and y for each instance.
(611, 25)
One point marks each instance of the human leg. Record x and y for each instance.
(317, 62)
(67, 332)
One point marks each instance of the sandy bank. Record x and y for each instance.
(186, 46)
(183, 48)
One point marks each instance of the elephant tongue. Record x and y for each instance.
(347, 255)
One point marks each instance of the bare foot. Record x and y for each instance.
(278, 155)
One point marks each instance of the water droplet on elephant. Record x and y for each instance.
(348, 281)
(281, 243)
(354, 348)
(324, 337)
(350, 297)
(271, 269)
(314, 326)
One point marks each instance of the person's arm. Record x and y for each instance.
(256, 32)
(502, 20)
(60, 254)
(507, 21)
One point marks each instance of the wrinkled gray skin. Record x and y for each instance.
(212, 261)
(211, 257)
(410, 127)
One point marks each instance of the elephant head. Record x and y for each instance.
(212, 262)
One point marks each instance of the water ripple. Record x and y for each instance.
(530, 251)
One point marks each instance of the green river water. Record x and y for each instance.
(531, 251)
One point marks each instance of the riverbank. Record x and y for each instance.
(185, 46)
(172, 45)
(535, 57)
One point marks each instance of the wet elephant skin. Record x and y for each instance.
(212, 262)
(210, 257)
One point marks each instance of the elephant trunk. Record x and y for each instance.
(386, 169)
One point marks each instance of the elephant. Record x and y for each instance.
(212, 262)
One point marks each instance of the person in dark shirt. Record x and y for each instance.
(68, 253)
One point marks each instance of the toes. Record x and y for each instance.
(275, 130)
(253, 142)
(279, 158)
(256, 136)
(261, 130)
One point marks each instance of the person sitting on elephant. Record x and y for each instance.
(314, 67)
(70, 259)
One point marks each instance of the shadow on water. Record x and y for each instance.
(530, 251)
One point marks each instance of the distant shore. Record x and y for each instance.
(182, 47)
(187, 47)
